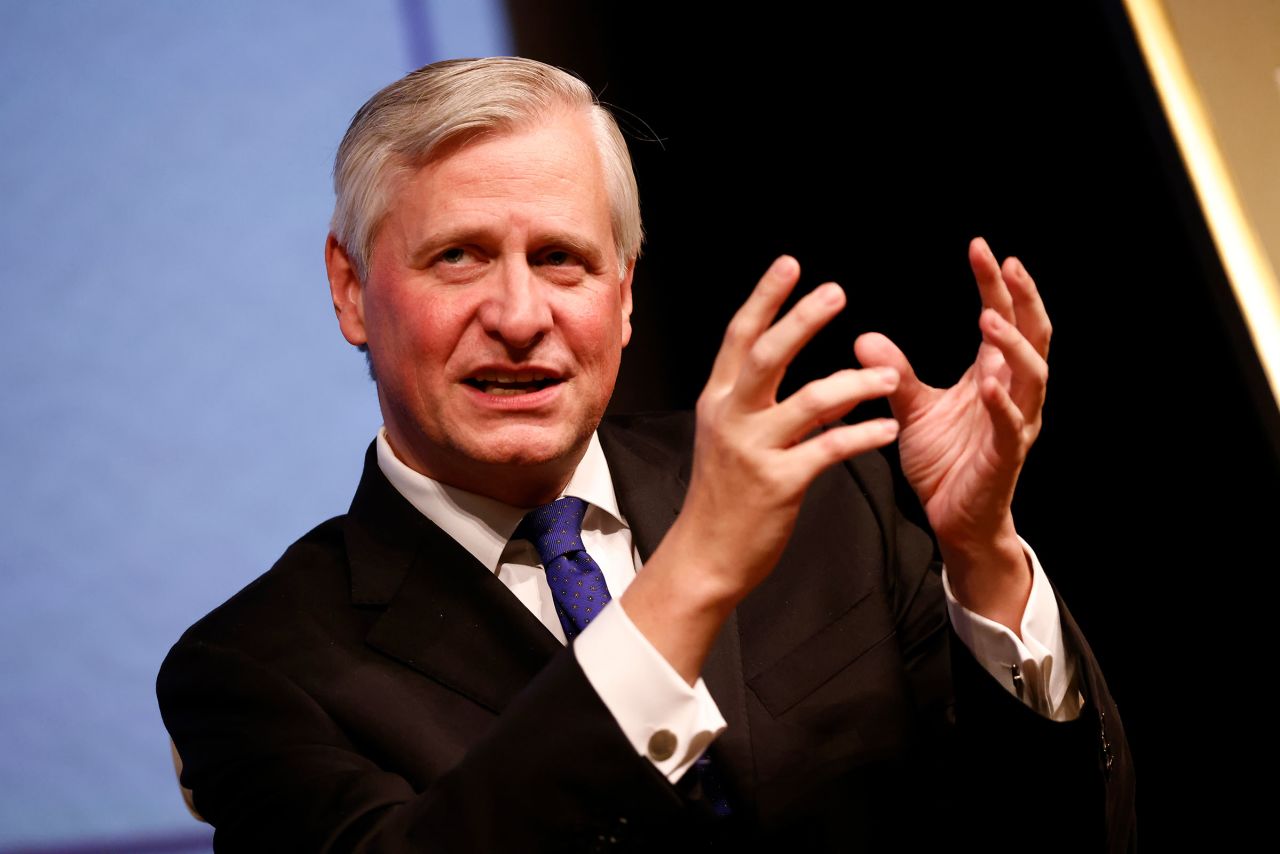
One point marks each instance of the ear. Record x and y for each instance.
(347, 291)
(625, 287)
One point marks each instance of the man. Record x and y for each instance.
(399, 680)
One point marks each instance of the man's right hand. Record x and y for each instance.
(752, 465)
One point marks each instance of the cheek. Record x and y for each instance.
(597, 328)
(597, 343)
(420, 336)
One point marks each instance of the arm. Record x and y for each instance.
(273, 769)
(1012, 774)
(962, 450)
(752, 467)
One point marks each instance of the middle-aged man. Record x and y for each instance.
(763, 650)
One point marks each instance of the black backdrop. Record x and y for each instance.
(872, 143)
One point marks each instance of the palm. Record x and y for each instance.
(948, 451)
(962, 447)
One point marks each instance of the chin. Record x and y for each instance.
(528, 447)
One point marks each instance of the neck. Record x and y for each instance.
(524, 485)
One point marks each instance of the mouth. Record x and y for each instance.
(504, 384)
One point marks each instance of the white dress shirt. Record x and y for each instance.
(641, 690)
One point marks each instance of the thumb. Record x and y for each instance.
(876, 351)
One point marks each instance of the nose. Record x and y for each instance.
(516, 311)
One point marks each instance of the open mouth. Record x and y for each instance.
(501, 384)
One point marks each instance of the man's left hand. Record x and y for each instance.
(963, 447)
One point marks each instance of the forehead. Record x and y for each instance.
(542, 177)
(567, 127)
(556, 148)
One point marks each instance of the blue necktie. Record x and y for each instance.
(579, 591)
(577, 584)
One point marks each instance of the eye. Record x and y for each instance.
(559, 258)
(458, 263)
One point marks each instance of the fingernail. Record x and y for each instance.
(832, 293)
(889, 425)
(887, 376)
(784, 265)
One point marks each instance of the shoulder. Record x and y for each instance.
(671, 430)
(309, 578)
(313, 584)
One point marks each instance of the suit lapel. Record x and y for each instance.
(650, 478)
(446, 615)
(449, 618)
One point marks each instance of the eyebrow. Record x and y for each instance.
(587, 250)
(424, 249)
(429, 246)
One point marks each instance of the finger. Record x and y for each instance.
(1032, 319)
(825, 400)
(1030, 372)
(1007, 422)
(876, 351)
(753, 318)
(810, 458)
(986, 271)
(768, 358)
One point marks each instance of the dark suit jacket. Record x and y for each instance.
(378, 689)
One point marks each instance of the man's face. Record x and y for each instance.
(494, 310)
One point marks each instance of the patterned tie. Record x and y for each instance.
(579, 591)
(577, 584)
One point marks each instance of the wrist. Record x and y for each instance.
(678, 606)
(991, 578)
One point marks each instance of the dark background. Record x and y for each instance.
(173, 371)
(872, 143)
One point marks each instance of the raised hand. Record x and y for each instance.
(963, 447)
(752, 465)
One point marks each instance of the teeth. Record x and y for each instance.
(500, 377)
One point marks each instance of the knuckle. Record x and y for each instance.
(811, 398)
(735, 333)
(777, 479)
(808, 311)
(761, 357)
(834, 443)
(1017, 420)
(707, 408)
(830, 395)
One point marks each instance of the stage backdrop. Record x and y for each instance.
(179, 404)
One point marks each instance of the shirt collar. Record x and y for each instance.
(481, 525)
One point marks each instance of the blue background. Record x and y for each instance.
(179, 404)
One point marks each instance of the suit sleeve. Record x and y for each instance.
(1018, 778)
(274, 772)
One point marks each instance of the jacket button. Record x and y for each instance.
(662, 744)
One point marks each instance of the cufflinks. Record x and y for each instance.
(662, 745)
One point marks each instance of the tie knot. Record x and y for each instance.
(554, 529)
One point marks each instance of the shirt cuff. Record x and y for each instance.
(1036, 668)
(666, 721)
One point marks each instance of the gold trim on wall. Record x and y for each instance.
(1250, 271)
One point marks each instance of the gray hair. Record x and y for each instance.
(446, 104)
